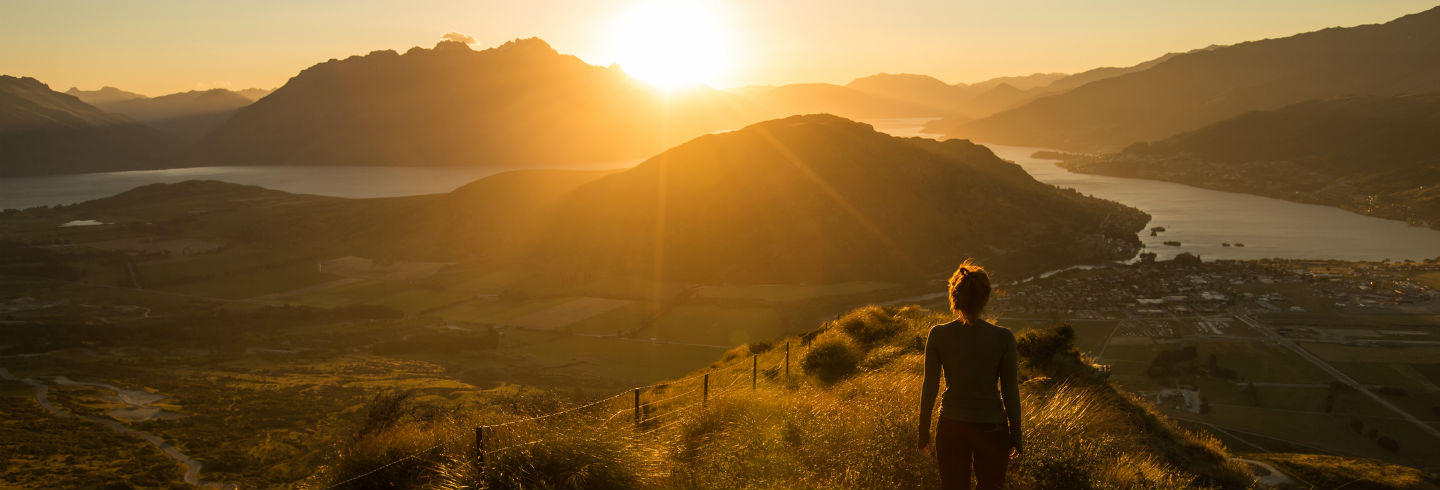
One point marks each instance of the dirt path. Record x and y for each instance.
(42, 392)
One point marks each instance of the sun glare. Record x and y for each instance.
(673, 44)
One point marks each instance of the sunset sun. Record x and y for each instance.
(673, 44)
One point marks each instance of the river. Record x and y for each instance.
(1203, 220)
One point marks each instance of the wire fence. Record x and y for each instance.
(651, 409)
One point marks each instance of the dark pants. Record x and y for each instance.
(957, 444)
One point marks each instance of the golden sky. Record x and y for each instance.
(158, 47)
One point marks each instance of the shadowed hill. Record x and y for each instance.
(1192, 90)
(1373, 155)
(518, 105)
(105, 95)
(815, 198)
(45, 132)
(810, 98)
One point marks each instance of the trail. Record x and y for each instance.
(42, 391)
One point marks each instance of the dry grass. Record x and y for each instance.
(856, 431)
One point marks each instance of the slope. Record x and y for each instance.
(1373, 155)
(1194, 89)
(44, 132)
(186, 115)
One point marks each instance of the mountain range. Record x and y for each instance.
(1376, 155)
(185, 115)
(45, 132)
(1191, 90)
(520, 104)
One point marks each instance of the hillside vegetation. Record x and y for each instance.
(1191, 90)
(844, 418)
(1373, 155)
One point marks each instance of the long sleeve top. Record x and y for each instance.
(972, 358)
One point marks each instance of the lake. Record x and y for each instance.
(1203, 220)
(338, 181)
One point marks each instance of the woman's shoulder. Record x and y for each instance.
(1002, 332)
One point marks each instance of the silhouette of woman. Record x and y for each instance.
(975, 426)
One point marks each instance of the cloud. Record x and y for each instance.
(458, 37)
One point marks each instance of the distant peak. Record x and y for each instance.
(449, 45)
(529, 44)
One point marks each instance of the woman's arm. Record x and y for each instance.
(1010, 390)
(930, 387)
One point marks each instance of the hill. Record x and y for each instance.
(44, 132)
(1191, 90)
(844, 101)
(818, 198)
(1372, 155)
(186, 115)
(802, 199)
(517, 105)
(841, 415)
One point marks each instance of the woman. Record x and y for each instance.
(973, 354)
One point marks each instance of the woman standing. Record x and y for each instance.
(979, 424)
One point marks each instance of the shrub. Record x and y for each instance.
(758, 347)
(554, 455)
(870, 325)
(831, 358)
(1051, 353)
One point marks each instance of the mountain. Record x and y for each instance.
(254, 93)
(44, 132)
(1191, 90)
(803, 199)
(106, 95)
(519, 104)
(819, 198)
(1375, 155)
(844, 101)
(187, 115)
(919, 90)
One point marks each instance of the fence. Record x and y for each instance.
(648, 415)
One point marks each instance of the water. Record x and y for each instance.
(337, 181)
(1202, 220)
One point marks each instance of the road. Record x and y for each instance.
(1338, 374)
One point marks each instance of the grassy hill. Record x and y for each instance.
(843, 418)
(1191, 90)
(1373, 155)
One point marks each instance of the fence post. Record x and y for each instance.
(706, 389)
(637, 405)
(787, 359)
(754, 370)
(480, 443)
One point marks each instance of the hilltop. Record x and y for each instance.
(46, 132)
(1373, 155)
(1191, 90)
(521, 104)
(842, 417)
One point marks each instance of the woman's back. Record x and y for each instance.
(972, 357)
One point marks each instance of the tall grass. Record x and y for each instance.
(817, 429)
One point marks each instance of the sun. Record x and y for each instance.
(673, 44)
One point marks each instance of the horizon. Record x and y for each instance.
(159, 48)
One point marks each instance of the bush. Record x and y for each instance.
(831, 358)
(870, 325)
(1051, 353)
(758, 347)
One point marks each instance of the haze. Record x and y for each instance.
(169, 46)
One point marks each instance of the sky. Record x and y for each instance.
(159, 47)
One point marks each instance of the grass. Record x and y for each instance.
(854, 431)
(1323, 471)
